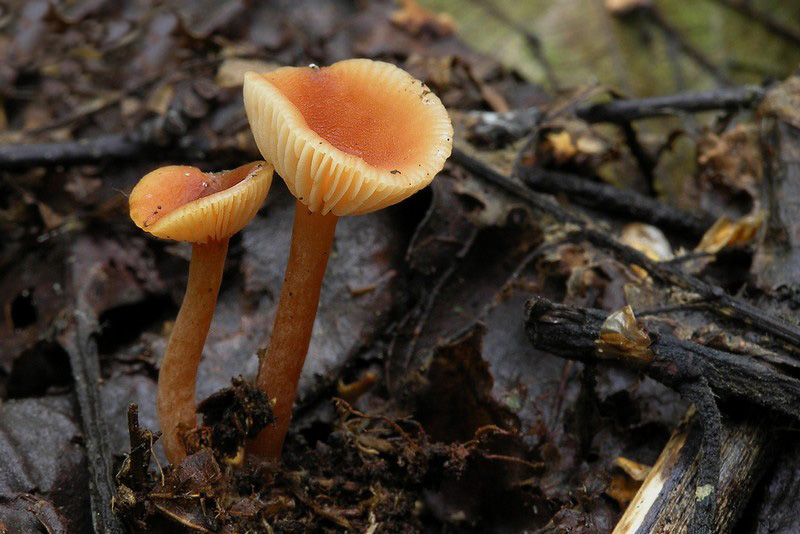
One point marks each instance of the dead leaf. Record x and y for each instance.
(561, 147)
(784, 101)
(622, 336)
(622, 489)
(648, 240)
(39, 444)
(416, 20)
(625, 484)
(458, 399)
(25, 512)
(727, 233)
(729, 169)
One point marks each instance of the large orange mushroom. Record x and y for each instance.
(205, 209)
(347, 139)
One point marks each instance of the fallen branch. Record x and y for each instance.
(572, 332)
(104, 147)
(713, 297)
(615, 201)
(79, 343)
(749, 444)
(158, 132)
(662, 502)
(723, 99)
(704, 376)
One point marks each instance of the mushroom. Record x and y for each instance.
(348, 139)
(205, 209)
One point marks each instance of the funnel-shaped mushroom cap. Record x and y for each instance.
(351, 138)
(187, 204)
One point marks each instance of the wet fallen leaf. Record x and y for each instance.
(25, 512)
(41, 454)
(622, 489)
(648, 240)
(622, 336)
(727, 233)
(458, 400)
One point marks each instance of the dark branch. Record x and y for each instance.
(701, 375)
(572, 332)
(724, 99)
(157, 132)
(615, 201)
(707, 484)
(105, 147)
(721, 303)
(78, 341)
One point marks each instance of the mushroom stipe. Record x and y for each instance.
(347, 139)
(186, 204)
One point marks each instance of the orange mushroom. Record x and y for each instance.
(206, 209)
(348, 139)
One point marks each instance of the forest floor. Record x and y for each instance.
(473, 366)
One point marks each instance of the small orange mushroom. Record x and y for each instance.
(206, 209)
(347, 139)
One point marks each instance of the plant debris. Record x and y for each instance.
(586, 184)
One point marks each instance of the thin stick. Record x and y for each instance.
(722, 99)
(279, 371)
(725, 305)
(177, 411)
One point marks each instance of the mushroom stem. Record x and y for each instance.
(175, 402)
(279, 371)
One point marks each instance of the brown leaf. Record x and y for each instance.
(458, 399)
(727, 233)
(622, 336)
(647, 239)
(40, 451)
(30, 513)
(415, 19)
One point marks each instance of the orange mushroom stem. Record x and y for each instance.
(312, 237)
(175, 399)
(205, 209)
(347, 139)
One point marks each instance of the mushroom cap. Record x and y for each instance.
(186, 204)
(351, 138)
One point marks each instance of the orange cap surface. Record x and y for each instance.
(187, 204)
(351, 138)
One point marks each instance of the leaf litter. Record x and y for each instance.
(453, 422)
